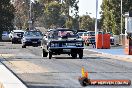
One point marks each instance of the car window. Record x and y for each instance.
(91, 33)
(33, 33)
(62, 33)
(66, 33)
(80, 34)
(85, 34)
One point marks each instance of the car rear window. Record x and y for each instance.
(64, 33)
(33, 33)
(80, 34)
(85, 34)
(91, 33)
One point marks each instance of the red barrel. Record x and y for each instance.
(103, 41)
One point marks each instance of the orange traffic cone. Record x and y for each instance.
(83, 72)
(86, 74)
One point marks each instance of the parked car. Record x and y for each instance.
(84, 36)
(16, 36)
(112, 40)
(80, 34)
(90, 38)
(62, 41)
(82, 30)
(32, 38)
(5, 36)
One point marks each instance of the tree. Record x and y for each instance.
(72, 5)
(111, 14)
(6, 15)
(37, 12)
(87, 23)
(49, 13)
(21, 13)
(52, 14)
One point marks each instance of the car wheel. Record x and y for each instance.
(50, 55)
(23, 46)
(81, 54)
(44, 53)
(74, 55)
(12, 42)
(87, 44)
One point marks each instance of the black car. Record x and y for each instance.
(32, 38)
(62, 41)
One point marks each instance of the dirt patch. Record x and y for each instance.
(27, 67)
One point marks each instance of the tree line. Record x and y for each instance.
(62, 13)
(111, 15)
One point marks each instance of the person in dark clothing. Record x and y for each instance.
(94, 45)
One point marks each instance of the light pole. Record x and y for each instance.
(30, 15)
(96, 29)
(121, 16)
(121, 38)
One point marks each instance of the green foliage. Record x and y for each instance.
(111, 14)
(72, 5)
(86, 22)
(61, 17)
(26, 25)
(69, 24)
(21, 13)
(6, 15)
(47, 13)
(53, 14)
(37, 10)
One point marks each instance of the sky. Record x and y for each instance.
(89, 6)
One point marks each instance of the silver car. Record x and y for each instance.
(5, 36)
(31, 38)
(16, 36)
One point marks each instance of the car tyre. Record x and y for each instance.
(74, 55)
(23, 46)
(50, 55)
(12, 42)
(87, 44)
(44, 53)
(81, 54)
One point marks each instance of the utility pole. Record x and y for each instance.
(121, 39)
(30, 15)
(121, 16)
(96, 29)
